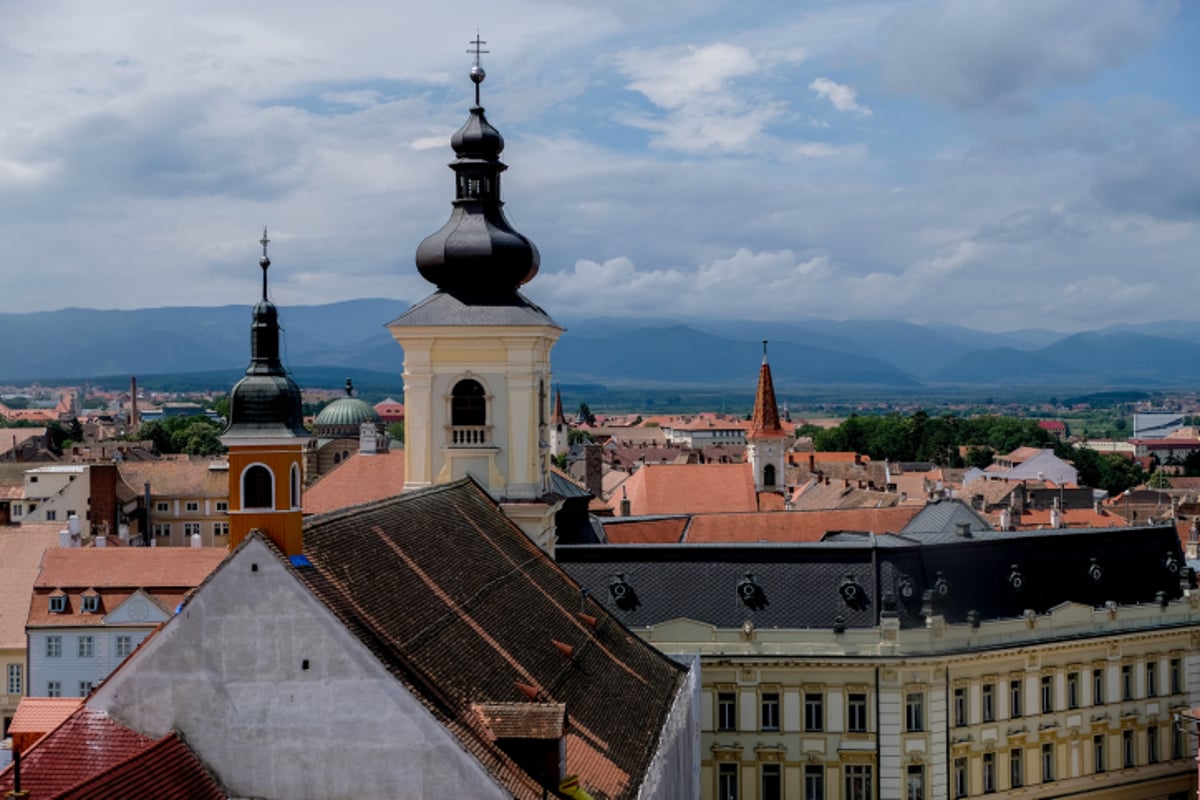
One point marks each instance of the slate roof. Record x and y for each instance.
(801, 582)
(944, 516)
(444, 309)
(463, 608)
(358, 479)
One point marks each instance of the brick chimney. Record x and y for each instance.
(593, 469)
(102, 486)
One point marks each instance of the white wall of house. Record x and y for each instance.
(52, 494)
(77, 668)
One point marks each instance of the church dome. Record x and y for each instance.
(343, 418)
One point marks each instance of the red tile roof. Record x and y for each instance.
(359, 479)
(128, 567)
(37, 716)
(177, 477)
(634, 530)
(794, 526)
(21, 551)
(765, 421)
(167, 770)
(691, 489)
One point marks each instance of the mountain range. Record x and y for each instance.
(321, 341)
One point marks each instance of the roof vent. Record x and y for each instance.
(623, 594)
(1171, 563)
(1161, 599)
(964, 530)
(941, 586)
(973, 619)
(1094, 571)
(1015, 579)
(852, 593)
(908, 591)
(839, 625)
(751, 593)
(529, 691)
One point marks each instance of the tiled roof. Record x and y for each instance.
(40, 615)
(167, 770)
(819, 495)
(1072, 518)
(944, 516)
(462, 607)
(176, 478)
(644, 530)
(37, 716)
(358, 479)
(794, 526)
(691, 489)
(87, 743)
(11, 438)
(764, 423)
(522, 720)
(21, 551)
(128, 567)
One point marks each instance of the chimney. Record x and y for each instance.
(1006, 519)
(133, 409)
(102, 486)
(100, 540)
(1056, 520)
(1193, 542)
(624, 503)
(593, 471)
(366, 439)
(196, 541)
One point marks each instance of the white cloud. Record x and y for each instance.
(843, 97)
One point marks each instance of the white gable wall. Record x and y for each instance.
(228, 673)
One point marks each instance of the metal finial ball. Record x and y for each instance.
(477, 74)
(264, 262)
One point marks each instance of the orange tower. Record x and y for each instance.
(266, 438)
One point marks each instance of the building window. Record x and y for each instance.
(769, 475)
(124, 646)
(58, 603)
(90, 603)
(1015, 708)
(1072, 690)
(814, 782)
(1151, 679)
(1126, 681)
(1047, 762)
(220, 529)
(14, 679)
(1047, 694)
(54, 646)
(54, 689)
(770, 711)
(1176, 742)
(87, 647)
(989, 773)
(914, 783)
(1098, 687)
(162, 529)
(856, 708)
(989, 702)
(258, 487)
(726, 711)
(772, 782)
(960, 706)
(17, 509)
(51, 515)
(914, 712)
(162, 507)
(85, 688)
(1176, 672)
(468, 404)
(1152, 744)
(1128, 754)
(191, 529)
(222, 505)
(858, 782)
(1016, 768)
(295, 486)
(960, 777)
(1098, 752)
(727, 782)
(814, 711)
(191, 505)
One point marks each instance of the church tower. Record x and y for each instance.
(265, 437)
(560, 431)
(477, 352)
(766, 441)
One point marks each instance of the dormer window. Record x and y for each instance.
(58, 603)
(90, 603)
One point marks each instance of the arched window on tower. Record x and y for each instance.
(295, 486)
(468, 413)
(258, 487)
(769, 475)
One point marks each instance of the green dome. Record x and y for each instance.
(343, 418)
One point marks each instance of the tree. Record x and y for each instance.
(198, 436)
(396, 431)
(575, 436)
(586, 414)
(221, 407)
(1159, 480)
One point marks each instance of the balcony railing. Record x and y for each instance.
(470, 435)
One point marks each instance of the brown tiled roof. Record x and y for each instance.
(816, 496)
(358, 479)
(636, 530)
(691, 489)
(463, 608)
(37, 716)
(21, 552)
(167, 770)
(176, 478)
(794, 526)
(765, 421)
(522, 720)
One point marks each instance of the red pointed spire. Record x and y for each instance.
(559, 418)
(765, 423)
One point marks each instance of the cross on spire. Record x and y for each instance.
(477, 73)
(264, 262)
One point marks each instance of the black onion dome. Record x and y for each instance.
(477, 253)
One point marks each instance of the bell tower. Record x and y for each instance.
(476, 351)
(766, 441)
(265, 437)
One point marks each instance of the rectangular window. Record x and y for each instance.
(58, 603)
(191, 505)
(989, 702)
(856, 708)
(1176, 742)
(960, 777)
(124, 646)
(1098, 687)
(1016, 768)
(85, 688)
(814, 711)
(162, 529)
(770, 711)
(1126, 681)
(90, 603)
(15, 679)
(858, 782)
(989, 773)
(87, 646)
(162, 507)
(1047, 762)
(914, 784)
(726, 711)
(53, 647)
(914, 712)
(1072, 690)
(1047, 694)
(1015, 706)
(1151, 679)
(1128, 754)
(772, 782)
(1152, 744)
(814, 782)
(191, 529)
(51, 516)
(222, 505)
(727, 782)
(17, 510)
(1176, 670)
(53, 689)
(960, 706)
(1098, 752)
(220, 529)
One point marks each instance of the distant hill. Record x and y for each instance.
(325, 343)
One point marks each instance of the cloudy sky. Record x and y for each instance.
(998, 163)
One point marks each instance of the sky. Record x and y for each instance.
(999, 164)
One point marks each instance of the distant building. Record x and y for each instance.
(1156, 425)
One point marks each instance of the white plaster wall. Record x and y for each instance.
(69, 669)
(674, 772)
(228, 673)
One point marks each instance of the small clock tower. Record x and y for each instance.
(766, 442)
